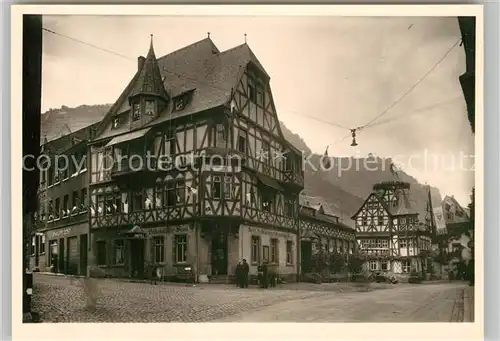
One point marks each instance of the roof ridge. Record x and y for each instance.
(232, 48)
(188, 46)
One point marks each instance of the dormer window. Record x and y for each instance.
(179, 103)
(251, 92)
(116, 123)
(260, 95)
(150, 109)
(136, 112)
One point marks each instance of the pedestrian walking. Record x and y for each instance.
(244, 273)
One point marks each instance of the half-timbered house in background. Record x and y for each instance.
(457, 237)
(392, 234)
(321, 229)
(190, 167)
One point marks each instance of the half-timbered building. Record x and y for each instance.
(390, 232)
(322, 230)
(456, 241)
(190, 167)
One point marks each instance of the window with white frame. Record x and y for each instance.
(373, 265)
(255, 250)
(119, 251)
(180, 248)
(289, 252)
(274, 251)
(158, 249)
(406, 266)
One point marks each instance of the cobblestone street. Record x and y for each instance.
(59, 299)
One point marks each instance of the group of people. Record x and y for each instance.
(265, 277)
(242, 270)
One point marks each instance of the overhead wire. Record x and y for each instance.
(411, 88)
(170, 71)
(353, 131)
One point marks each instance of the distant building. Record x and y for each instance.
(459, 234)
(322, 230)
(391, 233)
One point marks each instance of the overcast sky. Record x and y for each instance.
(345, 70)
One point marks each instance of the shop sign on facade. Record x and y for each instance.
(59, 233)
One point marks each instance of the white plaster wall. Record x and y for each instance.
(245, 234)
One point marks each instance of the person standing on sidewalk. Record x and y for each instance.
(239, 275)
(244, 273)
(153, 274)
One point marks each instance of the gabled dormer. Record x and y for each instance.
(148, 97)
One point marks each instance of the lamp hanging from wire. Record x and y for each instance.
(353, 134)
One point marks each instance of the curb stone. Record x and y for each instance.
(468, 304)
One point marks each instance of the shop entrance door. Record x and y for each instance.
(137, 257)
(219, 254)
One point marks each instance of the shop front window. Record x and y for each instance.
(53, 250)
(119, 252)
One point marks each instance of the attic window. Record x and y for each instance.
(180, 102)
(251, 92)
(150, 108)
(116, 123)
(260, 96)
(136, 112)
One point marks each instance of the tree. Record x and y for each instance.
(336, 262)
(355, 263)
(319, 262)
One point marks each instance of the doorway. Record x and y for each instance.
(306, 256)
(83, 254)
(219, 254)
(137, 257)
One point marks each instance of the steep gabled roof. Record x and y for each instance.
(405, 205)
(452, 200)
(316, 203)
(380, 200)
(149, 79)
(200, 67)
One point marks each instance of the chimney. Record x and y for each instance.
(140, 62)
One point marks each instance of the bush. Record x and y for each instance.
(355, 263)
(319, 262)
(336, 262)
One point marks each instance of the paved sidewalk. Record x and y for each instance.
(469, 304)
